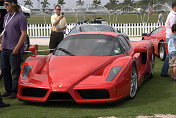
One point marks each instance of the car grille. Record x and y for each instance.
(34, 92)
(55, 96)
(94, 94)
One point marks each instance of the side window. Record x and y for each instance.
(154, 32)
(117, 50)
(157, 30)
(74, 30)
(124, 43)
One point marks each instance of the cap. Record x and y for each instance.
(14, 1)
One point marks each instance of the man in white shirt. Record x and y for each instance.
(58, 26)
(171, 19)
(161, 17)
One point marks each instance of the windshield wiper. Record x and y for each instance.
(65, 51)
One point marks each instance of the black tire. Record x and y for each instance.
(162, 51)
(152, 64)
(134, 82)
(26, 43)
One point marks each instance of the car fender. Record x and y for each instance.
(37, 63)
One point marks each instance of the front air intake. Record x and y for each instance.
(55, 96)
(34, 92)
(94, 94)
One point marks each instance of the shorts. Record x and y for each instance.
(172, 61)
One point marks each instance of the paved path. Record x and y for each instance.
(45, 41)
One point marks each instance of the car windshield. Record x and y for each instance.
(91, 28)
(95, 28)
(87, 47)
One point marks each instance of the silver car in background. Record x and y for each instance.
(94, 28)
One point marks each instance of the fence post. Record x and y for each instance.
(131, 29)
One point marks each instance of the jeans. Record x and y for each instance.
(165, 67)
(10, 66)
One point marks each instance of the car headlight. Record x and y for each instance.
(113, 73)
(26, 70)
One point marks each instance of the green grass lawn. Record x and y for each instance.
(123, 18)
(155, 96)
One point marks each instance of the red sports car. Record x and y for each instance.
(88, 67)
(158, 38)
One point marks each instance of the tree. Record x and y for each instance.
(96, 3)
(45, 4)
(129, 2)
(112, 4)
(28, 3)
(80, 2)
(145, 3)
(61, 2)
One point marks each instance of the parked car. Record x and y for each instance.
(87, 67)
(26, 11)
(94, 28)
(158, 38)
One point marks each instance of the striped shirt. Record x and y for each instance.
(171, 19)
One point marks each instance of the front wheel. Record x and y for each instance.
(162, 51)
(134, 82)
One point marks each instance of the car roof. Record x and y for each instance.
(80, 25)
(98, 33)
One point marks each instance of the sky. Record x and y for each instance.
(68, 2)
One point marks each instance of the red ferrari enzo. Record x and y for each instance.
(158, 38)
(87, 67)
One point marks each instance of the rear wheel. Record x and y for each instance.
(162, 51)
(152, 64)
(134, 82)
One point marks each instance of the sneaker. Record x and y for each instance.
(164, 75)
(6, 94)
(12, 95)
(2, 104)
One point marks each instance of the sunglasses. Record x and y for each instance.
(58, 9)
(6, 4)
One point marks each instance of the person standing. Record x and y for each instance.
(58, 26)
(171, 19)
(161, 17)
(172, 53)
(1, 22)
(2, 14)
(15, 32)
(2, 10)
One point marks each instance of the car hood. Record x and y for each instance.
(71, 69)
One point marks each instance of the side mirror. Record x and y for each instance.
(118, 31)
(33, 49)
(140, 49)
(144, 34)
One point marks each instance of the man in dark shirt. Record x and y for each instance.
(2, 104)
(15, 32)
